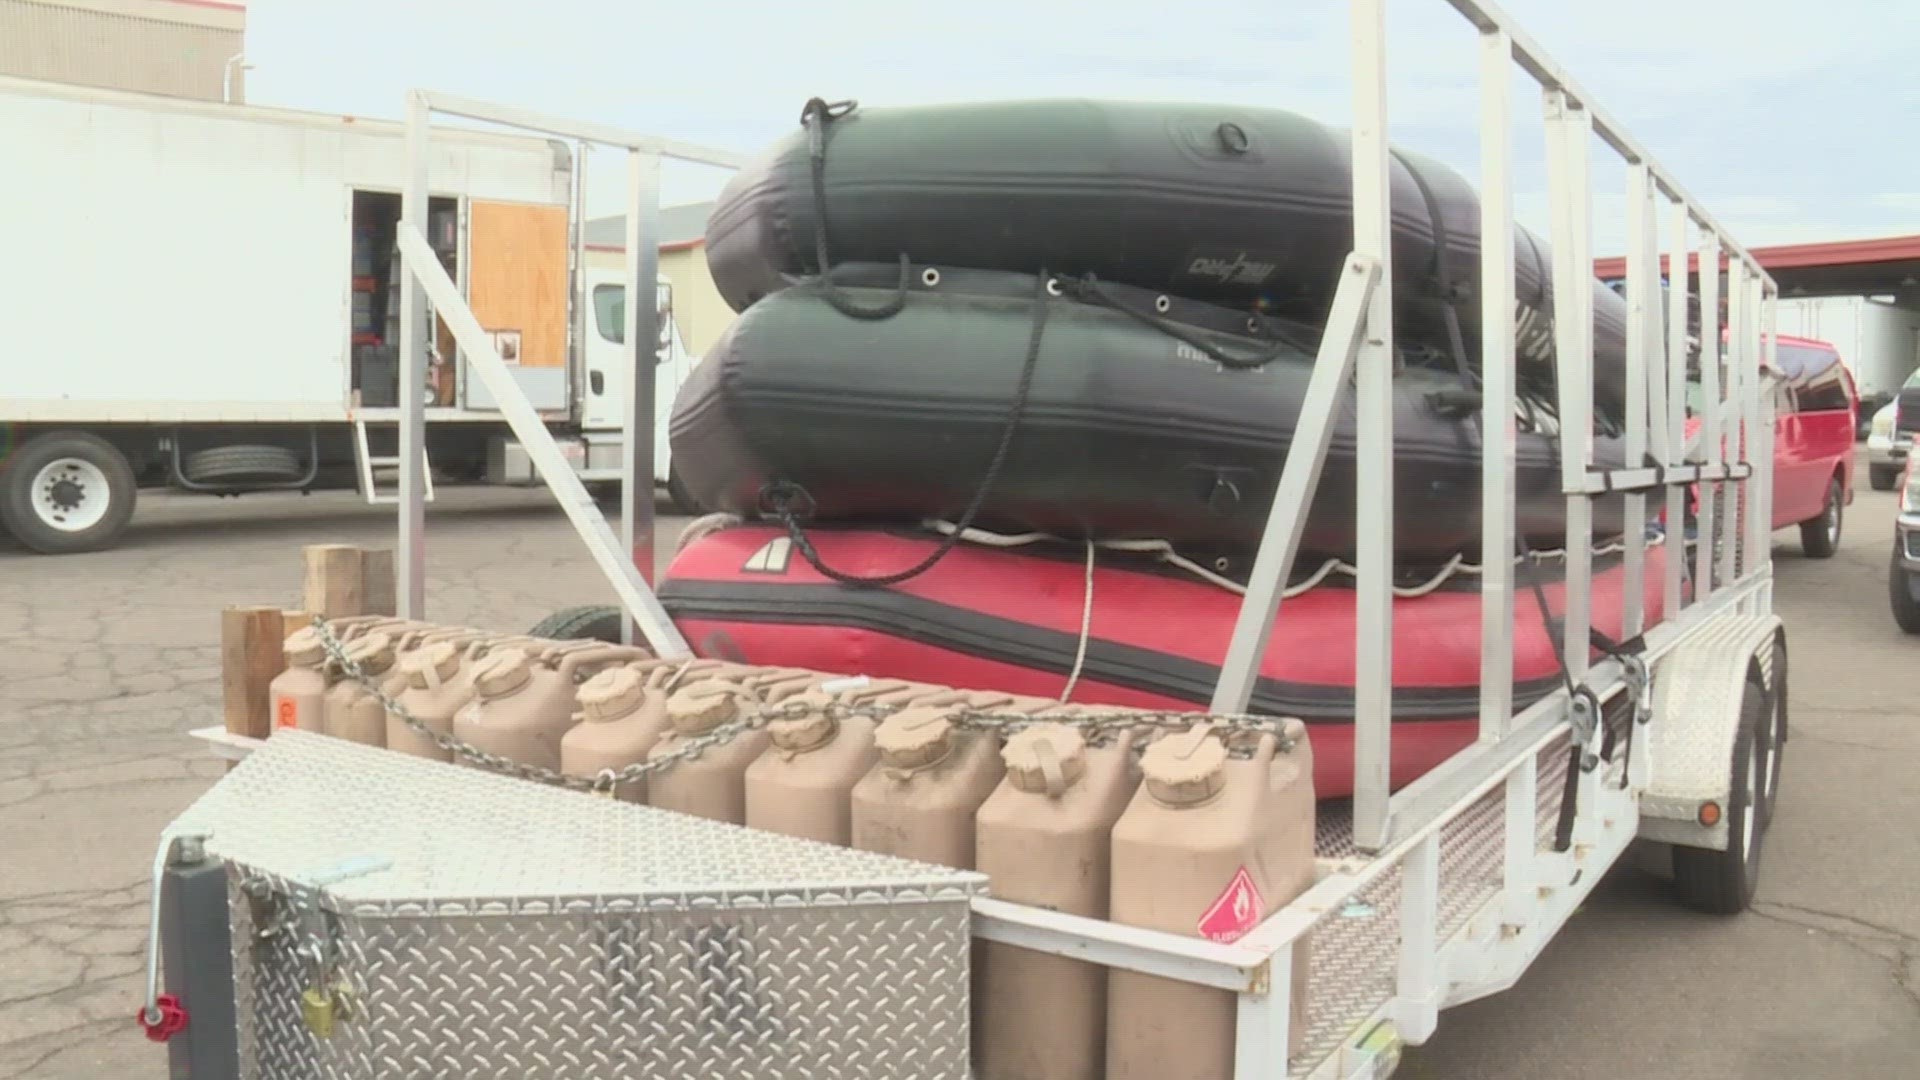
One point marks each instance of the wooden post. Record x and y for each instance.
(250, 657)
(293, 620)
(342, 580)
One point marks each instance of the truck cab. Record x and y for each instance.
(604, 358)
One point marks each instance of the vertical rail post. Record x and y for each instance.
(1497, 377)
(1676, 419)
(1759, 399)
(1737, 500)
(1372, 238)
(1299, 479)
(641, 326)
(1659, 447)
(1569, 129)
(1713, 452)
(1263, 1022)
(1642, 314)
(416, 337)
(1419, 991)
(1770, 352)
(1569, 133)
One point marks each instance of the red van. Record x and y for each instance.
(1814, 414)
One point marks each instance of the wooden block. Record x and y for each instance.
(293, 620)
(250, 656)
(342, 580)
(376, 576)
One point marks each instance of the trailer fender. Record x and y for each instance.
(1697, 691)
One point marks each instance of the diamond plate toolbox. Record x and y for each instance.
(441, 921)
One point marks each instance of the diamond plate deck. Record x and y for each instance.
(522, 930)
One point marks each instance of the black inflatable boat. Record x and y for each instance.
(1238, 206)
(1129, 429)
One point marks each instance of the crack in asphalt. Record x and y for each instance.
(1905, 946)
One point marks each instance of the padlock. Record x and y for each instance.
(316, 1011)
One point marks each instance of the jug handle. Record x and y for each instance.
(571, 662)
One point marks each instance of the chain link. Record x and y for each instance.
(1238, 730)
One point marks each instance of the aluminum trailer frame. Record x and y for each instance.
(1446, 890)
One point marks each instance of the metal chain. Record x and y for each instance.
(1099, 728)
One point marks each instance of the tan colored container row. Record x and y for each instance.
(1198, 832)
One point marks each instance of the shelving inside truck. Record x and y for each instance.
(374, 304)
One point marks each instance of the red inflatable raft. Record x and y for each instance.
(1010, 619)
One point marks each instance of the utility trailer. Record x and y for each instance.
(247, 338)
(1447, 890)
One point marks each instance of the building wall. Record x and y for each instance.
(697, 305)
(174, 47)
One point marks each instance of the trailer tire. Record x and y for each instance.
(1883, 477)
(1723, 882)
(242, 464)
(1777, 731)
(66, 492)
(592, 622)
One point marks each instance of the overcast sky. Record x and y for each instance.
(1792, 121)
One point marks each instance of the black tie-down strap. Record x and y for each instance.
(791, 504)
(1587, 710)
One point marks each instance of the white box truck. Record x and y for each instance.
(206, 297)
(1879, 341)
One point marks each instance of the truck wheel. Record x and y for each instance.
(592, 622)
(1820, 537)
(66, 491)
(1882, 477)
(1901, 583)
(1723, 882)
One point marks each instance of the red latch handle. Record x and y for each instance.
(164, 1019)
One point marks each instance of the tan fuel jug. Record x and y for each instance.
(436, 683)
(713, 785)
(411, 641)
(1043, 839)
(297, 694)
(523, 704)
(803, 784)
(352, 712)
(1210, 845)
(919, 799)
(623, 713)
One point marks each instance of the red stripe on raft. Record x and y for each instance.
(1436, 636)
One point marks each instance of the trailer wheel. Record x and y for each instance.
(1777, 732)
(66, 491)
(1723, 882)
(592, 622)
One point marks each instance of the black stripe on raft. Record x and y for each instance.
(928, 622)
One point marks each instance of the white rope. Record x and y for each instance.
(1086, 630)
(1163, 551)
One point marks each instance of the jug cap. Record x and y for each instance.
(503, 672)
(303, 648)
(812, 728)
(915, 737)
(612, 694)
(1187, 768)
(430, 668)
(703, 706)
(373, 652)
(1045, 758)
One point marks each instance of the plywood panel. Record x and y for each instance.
(518, 276)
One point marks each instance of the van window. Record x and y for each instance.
(610, 312)
(1820, 381)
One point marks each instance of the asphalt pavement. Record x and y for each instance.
(106, 660)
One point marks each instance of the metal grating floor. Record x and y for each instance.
(1353, 956)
